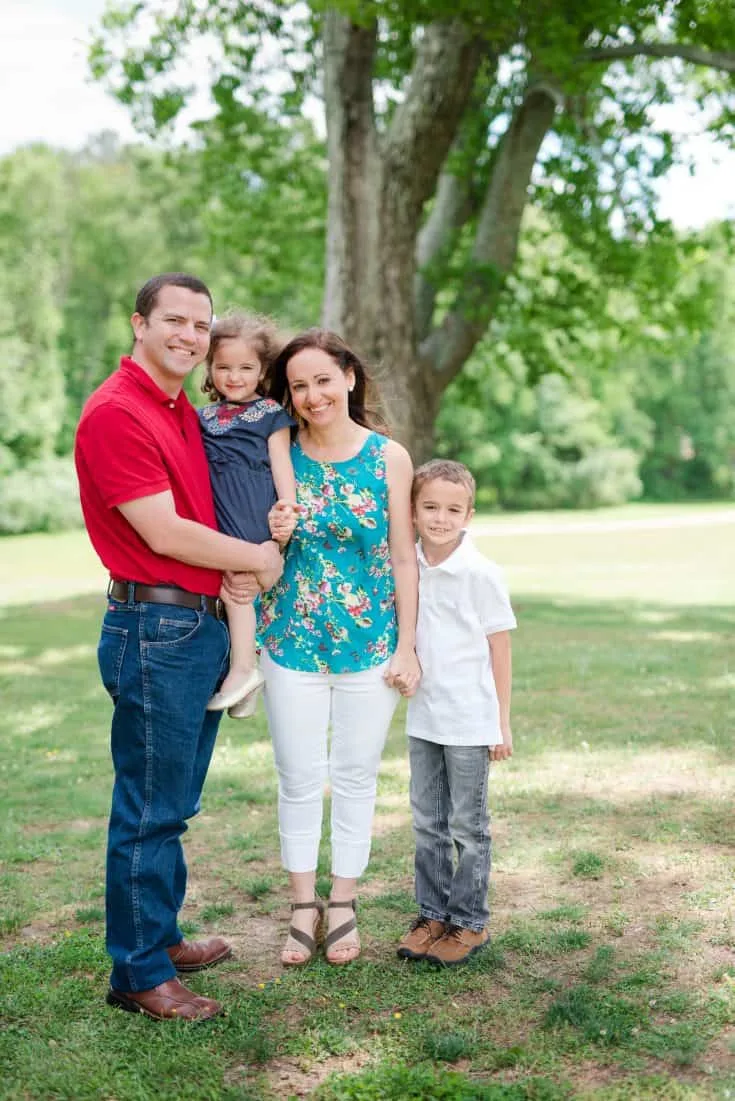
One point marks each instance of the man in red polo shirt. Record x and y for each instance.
(147, 503)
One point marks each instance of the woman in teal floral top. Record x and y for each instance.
(338, 630)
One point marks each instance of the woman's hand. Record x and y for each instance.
(404, 672)
(282, 520)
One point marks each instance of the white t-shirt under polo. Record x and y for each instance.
(461, 601)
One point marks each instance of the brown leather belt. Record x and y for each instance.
(133, 591)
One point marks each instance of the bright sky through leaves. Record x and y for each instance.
(43, 74)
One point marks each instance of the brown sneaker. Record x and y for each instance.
(456, 946)
(420, 937)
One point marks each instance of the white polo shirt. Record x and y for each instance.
(461, 602)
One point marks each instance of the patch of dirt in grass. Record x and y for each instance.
(521, 895)
(586, 1079)
(695, 970)
(289, 1078)
(37, 932)
(255, 944)
(720, 1055)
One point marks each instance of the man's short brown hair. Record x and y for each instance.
(445, 470)
(147, 297)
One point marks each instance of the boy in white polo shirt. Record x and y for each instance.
(458, 720)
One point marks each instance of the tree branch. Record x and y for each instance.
(448, 213)
(714, 59)
(424, 125)
(496, 241)
(458, 198)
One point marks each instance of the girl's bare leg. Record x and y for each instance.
(241, 622)
(243, 677)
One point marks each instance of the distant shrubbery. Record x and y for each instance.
(586, 390)
(551, 412)
(549, 448)
(41, 496)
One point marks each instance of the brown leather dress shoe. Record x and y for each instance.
(197, 955)
(420, 937)
(169, 1001)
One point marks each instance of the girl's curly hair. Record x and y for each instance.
(260, 332)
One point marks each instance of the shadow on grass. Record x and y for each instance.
(623, 726)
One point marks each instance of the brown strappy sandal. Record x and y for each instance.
(342, 931)
(309, 942)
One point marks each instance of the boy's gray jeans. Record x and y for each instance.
(449, 805)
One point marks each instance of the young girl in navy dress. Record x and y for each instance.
(248, 444)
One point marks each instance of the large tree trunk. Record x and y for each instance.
(379, 184)
(411, 405)
(351, 297)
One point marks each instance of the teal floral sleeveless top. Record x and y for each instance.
(333, 611)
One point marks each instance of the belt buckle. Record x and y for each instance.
(219, 608)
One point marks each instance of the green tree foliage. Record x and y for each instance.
(639, 401)
(444, 120)
(117, 233)
(32, 215)
(688, 389)
(81, 232)
(255, 187)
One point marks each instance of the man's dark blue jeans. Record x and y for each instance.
(160, 664)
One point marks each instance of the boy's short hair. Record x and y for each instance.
(443, 470)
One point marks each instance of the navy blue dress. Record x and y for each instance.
(236, 442)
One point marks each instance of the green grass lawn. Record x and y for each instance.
(611, 973)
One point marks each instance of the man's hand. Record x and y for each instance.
(505, 750)
(242, 588)
(282, 520)
(268, 578)
(239, 588)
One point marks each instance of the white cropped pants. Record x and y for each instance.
(300, 708)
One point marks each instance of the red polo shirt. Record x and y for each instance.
(134, 440)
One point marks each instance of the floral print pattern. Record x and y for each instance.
(333, 611)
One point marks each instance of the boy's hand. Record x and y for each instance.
(504, 750)
(403, 672)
